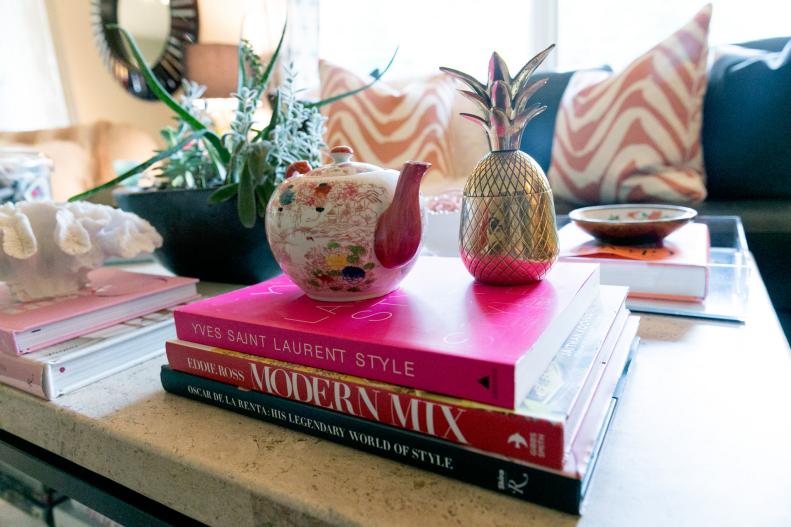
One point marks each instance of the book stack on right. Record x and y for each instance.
(676, 269)
(509, 388)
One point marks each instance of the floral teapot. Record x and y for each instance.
(346, 231)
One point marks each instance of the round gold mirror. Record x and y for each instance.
(161, 28)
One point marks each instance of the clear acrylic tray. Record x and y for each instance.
(729, 273)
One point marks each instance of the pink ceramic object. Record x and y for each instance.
(346, 231)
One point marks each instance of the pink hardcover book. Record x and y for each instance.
(676, 269)
(69, 365)
(114, 296)
(441, 331)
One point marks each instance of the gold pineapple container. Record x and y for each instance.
(508, 233)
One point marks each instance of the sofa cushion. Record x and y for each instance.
(747, 125)
(387, 126)
(636, 135)
(101, 142)
(538, 135)
(468, 144)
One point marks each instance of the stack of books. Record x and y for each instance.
(508, 388)
(54, 346)
(676, 269)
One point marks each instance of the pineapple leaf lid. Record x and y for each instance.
(503, 100)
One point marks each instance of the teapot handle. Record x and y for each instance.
(302, 167)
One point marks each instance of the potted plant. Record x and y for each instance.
(211, 193)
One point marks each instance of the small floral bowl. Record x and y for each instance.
(631, 224)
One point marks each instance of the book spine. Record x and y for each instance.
(464, 377)
(8, 343)
(502, 476)
(587, 439)
(527, 439)
(23, 375)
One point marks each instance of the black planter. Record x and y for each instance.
(201, 240)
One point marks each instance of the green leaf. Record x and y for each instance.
(162, 94)
(169, 135)
(262, 200)
(256, 163)
(164, 154)
(236, 167)
(246, 198)
(369, 266)
(241, 79)
(264, 134)
(260, 176)
(332, 245)
(216, 159)
(334, 98)
(273, 60)
(224, 193)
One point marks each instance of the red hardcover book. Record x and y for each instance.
(540, 430)
(441, 331)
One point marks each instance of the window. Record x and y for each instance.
(31, 94)
(361, 35)
(615, 32)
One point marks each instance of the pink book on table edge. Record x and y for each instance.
(440, 331)
(109, 288)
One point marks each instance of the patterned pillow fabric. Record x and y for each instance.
(538, 135)
(636, 135)
(386, 126)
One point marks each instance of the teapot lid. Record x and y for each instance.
(342, 165)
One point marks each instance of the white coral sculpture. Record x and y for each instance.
(48, 248)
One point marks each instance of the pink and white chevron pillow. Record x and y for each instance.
(387, 126)
(636, 135)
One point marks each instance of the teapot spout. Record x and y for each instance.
(399, 228)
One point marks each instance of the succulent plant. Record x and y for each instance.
(245, 164)
(503, 99)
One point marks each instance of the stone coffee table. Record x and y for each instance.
(701, 437)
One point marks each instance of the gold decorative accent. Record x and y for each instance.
(503, 99)
(508, 233)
